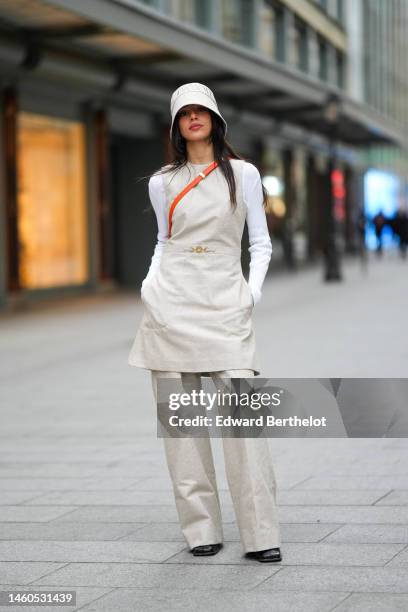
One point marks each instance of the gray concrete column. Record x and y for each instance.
(3, 215)
(352, 207)
(9, 260)
(88, 114)
(290, 203)
(312, 218)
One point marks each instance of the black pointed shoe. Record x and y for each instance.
(206, 550)
(266, 556)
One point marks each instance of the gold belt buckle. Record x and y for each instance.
(199, 249)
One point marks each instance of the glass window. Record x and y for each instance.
(153, 3)
(182, 9)
(51, 201)
(340, 10)
(203, 14)
(300, 50)
(267, 30)
(192, 11)
(231, 21)
(238, 21)
(322, 45)
(279, 34)
(339, 69)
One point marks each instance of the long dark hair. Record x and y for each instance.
(222, 152)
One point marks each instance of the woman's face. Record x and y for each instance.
(194, 122)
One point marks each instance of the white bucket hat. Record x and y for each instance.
(193, 93)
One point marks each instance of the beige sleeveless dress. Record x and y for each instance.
(198, 305)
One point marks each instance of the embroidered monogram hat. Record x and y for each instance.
(193, 93)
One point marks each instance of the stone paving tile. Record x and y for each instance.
(315, 497)
(15, 514)
(84, 595)
(395, 498)
(69, 532)
(287, 483)
(23, 573)
(104, 498)
(374, 602)
(367, 468)
(344, 514)
(45, 484)
(302, 553)
(110, 484)
(88, 551)
(65, 484)
(152, 600)
(43, 443)
(152, 466)
(165, 532)
(16, 497)
(396, 444)
(355, 579)
(53, 463)
(400, 559)
(52, 470)
(353, 482)
(137, 464)
(128, 514)
(369, 534)
(159, 575)
(170, 532)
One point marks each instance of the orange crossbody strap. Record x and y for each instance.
(186, 189)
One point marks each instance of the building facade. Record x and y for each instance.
(84, 96)
(386, 76)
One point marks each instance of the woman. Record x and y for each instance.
(197, 318)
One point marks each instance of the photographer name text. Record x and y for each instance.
(259, 421)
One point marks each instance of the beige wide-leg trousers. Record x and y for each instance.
(250, 476)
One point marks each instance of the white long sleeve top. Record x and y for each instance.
(260, 248)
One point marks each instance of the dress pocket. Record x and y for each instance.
(242, 313)
(150, 296)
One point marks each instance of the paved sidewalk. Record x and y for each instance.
(86, 503)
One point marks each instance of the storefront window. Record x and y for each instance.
(273, 180)
(51, 202)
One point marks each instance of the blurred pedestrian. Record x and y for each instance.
(400, 229)
(379, 221)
